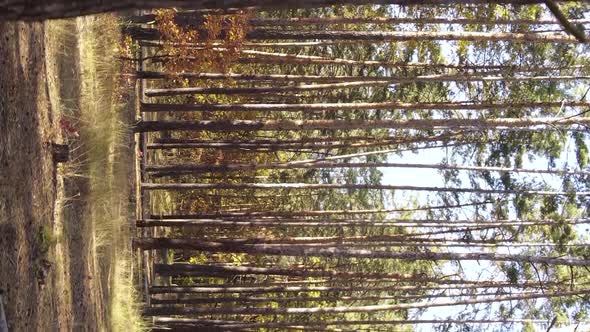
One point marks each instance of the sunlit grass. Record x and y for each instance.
(108, 160)
(103, 158)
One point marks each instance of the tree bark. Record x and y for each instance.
(565, 23)
(33, 11)
(290, 125)
(304, 142)
(391, 36)
(271, 78)
(299, 21)
(307, 299)
(226, 168)
(368, 82)
(187, 19)
(337, 240)
(297, 251)
(151, 107)
(241, 325)
(348, 309)
(382, 36)
(316, 213)
(467, 225)
(274, 58)
(314, 186)
(188, 144)
(218, 290)
(231, 271)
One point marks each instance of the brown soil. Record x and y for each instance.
(46, 280)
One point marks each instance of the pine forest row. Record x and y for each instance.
(365, 167)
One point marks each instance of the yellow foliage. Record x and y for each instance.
(216, 44)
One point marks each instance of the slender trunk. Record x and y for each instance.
(246, 196)
(315, 186)
(381, 36)
(258, 89)
(232, 271)
(316, 213)
(416, 236)
(311, 143)
(218, 290)
(338, 240)
(393, 36)
(299, 141)
(187, 144)
(240, 325)
(223, 328)
(299, 251)
(348, 309)
(271, 45)
(309, 299)
(573, 29)
(32, 11)
(468, 225)
(282, 59)
(466, 105)
(402, 241)
(351, 84)
(274, 58)
(325, 152)
(226, 168)
(272, 78)
(187, 19)
(299, 21)
(297, 125)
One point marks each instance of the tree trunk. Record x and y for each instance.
(314, 186)
(218, 290)
(393, 36)
(415, 236)
(25, 10)
(232, 271)
(150, 107)
(466, 225)
(258, 89)
(316, 213)
(351, 84)
(282, 59)
(310, 143)
(187, 19)
(299, 21)
(226, 168)
(274, 58)
(251, 325)
(573, 29)
(271, 78)
(307, 299)
(187, 144)
(382, 36)
(348, 309)
(299, 251)
(345, 240)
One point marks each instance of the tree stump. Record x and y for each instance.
(60, 152)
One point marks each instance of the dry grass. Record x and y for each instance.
(103, 161)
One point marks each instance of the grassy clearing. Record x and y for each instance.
(94, 110)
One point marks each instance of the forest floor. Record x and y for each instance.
(34, 289)
(65, 254)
